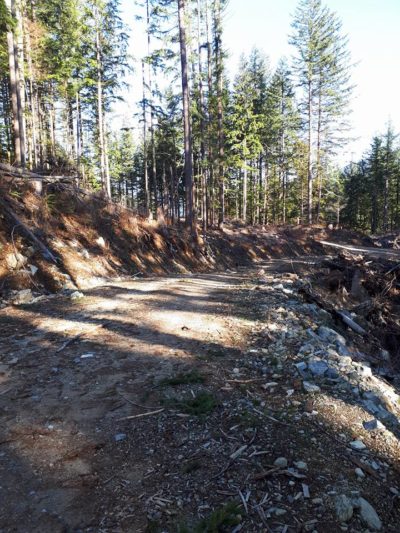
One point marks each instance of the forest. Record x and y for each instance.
(260, 148)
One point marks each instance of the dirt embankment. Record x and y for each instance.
(93, 241)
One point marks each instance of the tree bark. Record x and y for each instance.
(190, 215)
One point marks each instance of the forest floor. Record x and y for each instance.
(195, 403)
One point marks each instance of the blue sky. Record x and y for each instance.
(373, 28)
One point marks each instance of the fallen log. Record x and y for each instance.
(47, 254)
(23, 173)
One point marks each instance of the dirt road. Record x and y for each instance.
(131, 409)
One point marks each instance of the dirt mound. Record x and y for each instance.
(87, 240)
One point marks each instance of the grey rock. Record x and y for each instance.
(119, 437)
(343, 508)
(368, 514)
(310, 387)
(318, 367)
(330, 335)
(373, 424)
(301, 368)
(300, 465)
(342, 349)
(23, 297)
(281, 462)
(359, 473)
(357, 445)
(332, 373)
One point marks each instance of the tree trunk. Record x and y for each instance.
(309, 157)
(190, 215)
(145, 164)
(15, 92)
(218, 59)
(104, 175)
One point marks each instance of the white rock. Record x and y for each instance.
(101, 242)
(76, 295)
(33, 269)
(15, 260)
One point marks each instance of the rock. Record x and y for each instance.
(301, 368)
(357, 445)
(88, 355)
(119, 437)
(15, 260)
(85, 253)
(23, 297)
(330, 335)
(332, 373)
(281, 462)
(310, 387)
(359, 473)
(368, 515)
(363, 370)
(373, 424)
(101, 242)
(343, 508)
(394, 491)
(317, 501)
(385, 355)
(280, 512)
(300, 465)
(317, 367)
(342, 349)
(33, 269)
(76, 295)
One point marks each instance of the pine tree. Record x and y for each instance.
(322, 67)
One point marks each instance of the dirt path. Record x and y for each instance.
(372, 252)
(136, 409)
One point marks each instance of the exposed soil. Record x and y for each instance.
(205, 429)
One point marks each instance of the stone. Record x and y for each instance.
(342, 349)
(368, 515)
(373, 424)
(310, 387)
(33, 269)
(343, 508)
(88, 355)
(281, 462)
(363, 371)
(300, 465)
(330, 335)
(280, 512)
(317, 501)
(15, 260)
(23, 297)
(357, 445)
(317, 367)
(76, 295)
(301, 368)
(119, 437)
(359, 473)
(332, 373)
(101, 242)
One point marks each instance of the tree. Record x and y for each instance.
(188, 149)
(322, 67)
